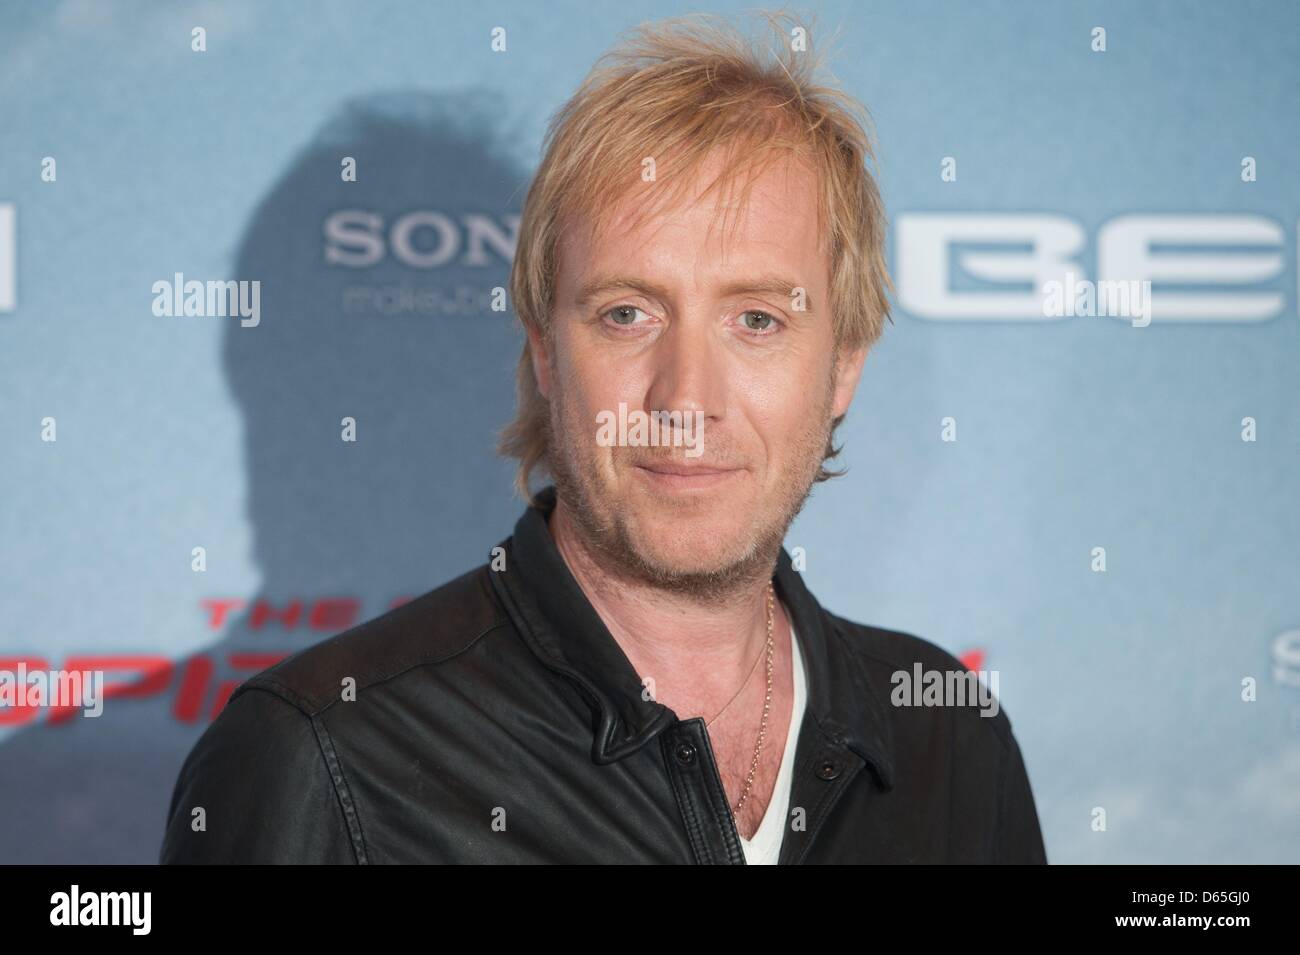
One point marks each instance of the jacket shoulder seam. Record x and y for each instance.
(423, 661)
(329, 756)
(267, 680)
(351, 815)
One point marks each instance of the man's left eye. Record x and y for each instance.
(757, 321)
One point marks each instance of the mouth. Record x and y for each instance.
(672, 476)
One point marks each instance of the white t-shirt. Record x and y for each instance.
(765, 847)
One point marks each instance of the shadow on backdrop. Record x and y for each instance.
(399, 336)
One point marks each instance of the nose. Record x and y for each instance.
(688, 373)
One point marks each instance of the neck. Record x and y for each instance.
(696, 650)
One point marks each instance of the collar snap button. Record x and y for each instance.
(828, 770)
(685, 753)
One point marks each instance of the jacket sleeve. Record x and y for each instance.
(1020, 838)
(266, 793)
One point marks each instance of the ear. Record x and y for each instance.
(848, 369)
(541, 361)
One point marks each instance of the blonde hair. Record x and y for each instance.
(689, 85)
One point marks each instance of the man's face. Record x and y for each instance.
(672, 314)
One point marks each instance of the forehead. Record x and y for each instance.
(713, 232)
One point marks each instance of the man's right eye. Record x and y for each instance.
(624, 315)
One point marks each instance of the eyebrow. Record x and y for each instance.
(773, 284)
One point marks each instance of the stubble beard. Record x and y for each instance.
(606, 535)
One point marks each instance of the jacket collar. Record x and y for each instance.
(568, 635)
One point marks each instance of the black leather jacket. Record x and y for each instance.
(496, 720)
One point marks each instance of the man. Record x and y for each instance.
(639, 673)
